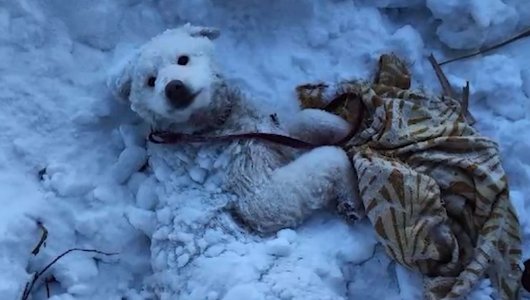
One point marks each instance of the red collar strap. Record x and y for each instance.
(166, 137)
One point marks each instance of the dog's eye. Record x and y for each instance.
(183, 60)
(151, 81)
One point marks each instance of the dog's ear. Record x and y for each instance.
(119, 78)
(209, 32)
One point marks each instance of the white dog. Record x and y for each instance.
(172, 83)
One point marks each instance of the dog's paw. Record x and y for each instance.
(351, 210)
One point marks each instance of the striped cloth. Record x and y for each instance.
(433, 188)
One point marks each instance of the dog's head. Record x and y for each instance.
(171, 77)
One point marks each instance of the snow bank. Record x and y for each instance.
(57, 118)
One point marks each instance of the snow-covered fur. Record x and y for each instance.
(210, 194)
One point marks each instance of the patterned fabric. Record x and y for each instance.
(433, 188)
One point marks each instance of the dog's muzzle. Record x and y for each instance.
(178, 95)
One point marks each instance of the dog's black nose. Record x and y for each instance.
(178, 94)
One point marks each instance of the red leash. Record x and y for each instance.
(166, 137)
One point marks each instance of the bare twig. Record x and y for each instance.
(36, 276)
(465, 105)
(42, 240)
(448, 90)
(47, 288)
(521, 35)
(47, 281)
(26, 288)
(465, 97)
(446, 86)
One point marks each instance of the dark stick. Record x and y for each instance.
(446, 86)
(72, 250)
(47, 282)
(525, 33)
(465, 104)
(42, 240)
(25, 295)
(29, 286)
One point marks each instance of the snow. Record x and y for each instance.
(59, 121)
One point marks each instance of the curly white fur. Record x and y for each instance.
(266, 186)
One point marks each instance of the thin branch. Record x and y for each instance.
(47, 288)
(42, 240)
(448, 90)
(465, 105)
(36, 276)
(521, 35)
(446, 86)
(29, 287)
(72, 250)
(465, 97)
(25, 295)
(47, 281)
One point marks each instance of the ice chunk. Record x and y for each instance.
(129, 161)
(198, 174)
(66, 181)
(135, 181)
(498, 80)
(469, 24)
(407, 43)
(244, 291)
(288, 235)
(142, 220)
(80, 289)
(182, 260)
(410, 283)
(75, 268)
(111, 193)
(146, 197)
(279, 247)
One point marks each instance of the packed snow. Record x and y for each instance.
(71, 156)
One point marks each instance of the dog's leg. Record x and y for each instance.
(322, 177)
(318, 126)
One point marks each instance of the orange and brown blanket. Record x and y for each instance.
(432, 186)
